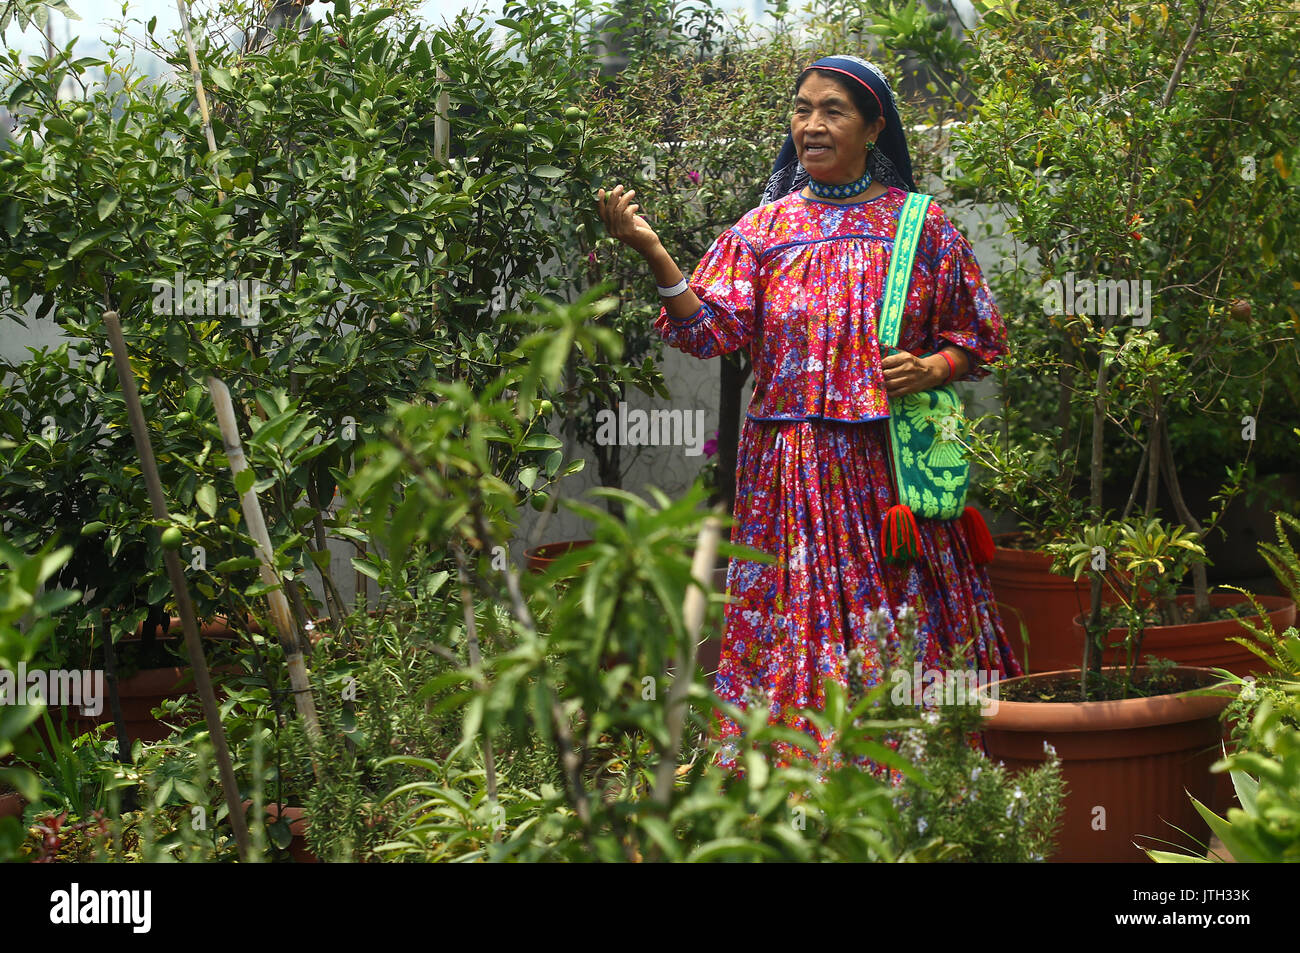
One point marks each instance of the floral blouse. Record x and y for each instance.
(798, 282)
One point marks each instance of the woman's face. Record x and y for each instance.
(830, 135)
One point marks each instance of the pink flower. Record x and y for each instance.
(693, 176)
(711, 445)
(591, 257)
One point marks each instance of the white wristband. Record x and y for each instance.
(672, 292)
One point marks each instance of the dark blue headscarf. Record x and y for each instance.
(889, 162)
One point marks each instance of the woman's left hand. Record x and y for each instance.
(908, 374)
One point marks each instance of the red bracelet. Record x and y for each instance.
(952, 366)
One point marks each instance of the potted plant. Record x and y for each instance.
(1113, 399)
(1126, 352)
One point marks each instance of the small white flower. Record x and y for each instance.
(975, 773)
(1017, 794)
(921, 825)
(930, 718)
(1049, 750)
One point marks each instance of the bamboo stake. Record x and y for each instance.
(284, 625)
(693, 607)
(202, 679)
(441, 124)
(200, 95)
(476, 659)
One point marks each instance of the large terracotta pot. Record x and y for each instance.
(1044, 601)
(1203, 644)
(147, 688)
(1128, 765)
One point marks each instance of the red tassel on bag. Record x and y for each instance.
(902, 540)
(977, 535)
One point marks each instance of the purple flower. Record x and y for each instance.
(591, 257)
(711, 445)
(693, 176)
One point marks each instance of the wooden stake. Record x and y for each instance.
(290, 639)
(202, 679)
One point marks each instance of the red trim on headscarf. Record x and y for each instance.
(860, 80)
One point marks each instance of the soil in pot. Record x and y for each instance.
(541, 558)
(1128, 764)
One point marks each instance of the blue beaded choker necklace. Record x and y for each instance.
(824, 190)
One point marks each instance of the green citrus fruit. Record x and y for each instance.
(553, 282)
(80, 115)
(266, 89)
(545, 407)
(171, 538)
(396, 320)
(371, 134)
(519, 129)
(392, 172)
(572, 112)
(184, 417)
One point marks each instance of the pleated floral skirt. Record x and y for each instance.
(814, 494)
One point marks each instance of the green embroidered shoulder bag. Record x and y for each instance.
(928, 429)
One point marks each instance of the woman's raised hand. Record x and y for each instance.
(618, 212)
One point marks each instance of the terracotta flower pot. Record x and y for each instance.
(1206, 644)
(149, 687)
(541, 558)
(1203, 644)
(1128, 765)
(297, 829)
(12, 804)
(1044, 601)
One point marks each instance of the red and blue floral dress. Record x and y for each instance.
(798, 283)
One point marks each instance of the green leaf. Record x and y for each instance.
(85, 241)
(548, 171)
(244, 480)
(237, 563)
(540, 441)
(221, 78)
(206, 498)
(107, 203)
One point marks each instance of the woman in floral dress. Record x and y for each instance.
(797, 282)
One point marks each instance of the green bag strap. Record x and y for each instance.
(910, 222)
